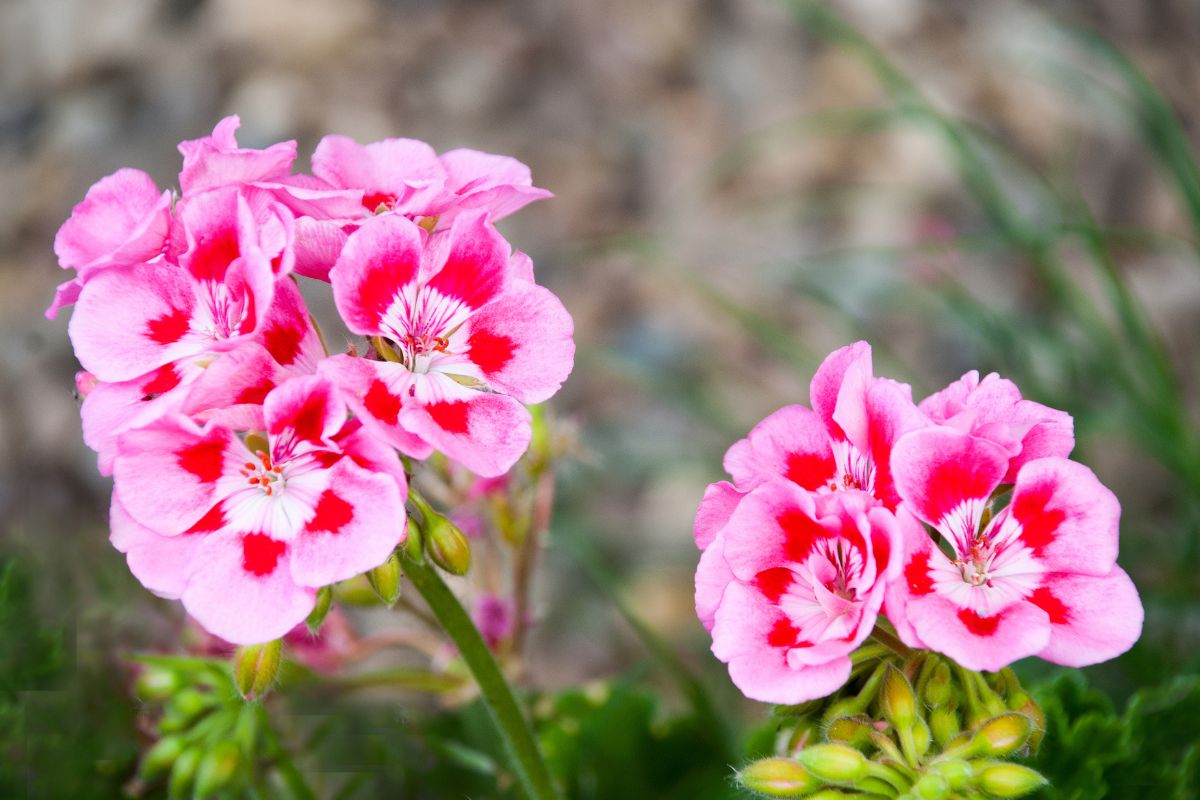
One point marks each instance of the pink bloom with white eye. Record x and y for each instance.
(1038, 577)
(466, 343)
(123, 220)
(795, 587)
(245, 539)
(218, 160)
(993, 409)
(843, 443)
(131, 322)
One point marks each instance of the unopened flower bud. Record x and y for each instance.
(956, 772)
(836, 763)
(778, 777)
(1001, 779)
(217, 769)
(179, 786)
(1006, 733)
(943, 724)
(852, 731)
(447, 545)
(897, 700)
(255, 668)
(320, 609)
(412, 539)
(805, 733)
(159, 758)
(157, 683)
(1032, 710)
(183, 709)
(922, 738)
(930, 786)
(385, 580)
(939, 687)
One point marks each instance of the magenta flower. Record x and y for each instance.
(246, 538)
(123, 220)
(1037, 577)
(466, 337)
(796, 586)
(218, 160)
(993, 409)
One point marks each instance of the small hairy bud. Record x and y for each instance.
(897, 700)
(930, 786)
(385, 580)
(836, 763)
(179, 785)
(778, 777)
(939, 687)
(1006, 733)
(447, 545)
(159, 758)
(1000, 779)
(852, 731)
(255, 668)
(320, 610)
(217, 769)
(943, 723)
(156, 683)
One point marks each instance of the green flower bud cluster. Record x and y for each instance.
(442, 541)
(915, 728)
(209, 737)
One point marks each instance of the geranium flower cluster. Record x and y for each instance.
(961, 519)
(250, 468)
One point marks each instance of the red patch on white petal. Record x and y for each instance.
(774, 583)
(783, 634)
(916, 573)
(489, 351)
(382, 404)
(810, 470)
(205, 459)
(1056, 609)
(169, 328)
(450, 417)
(1038, 523)
(260, 553)
(980, 626)
(801, 533)
(331, 515)
(213, 520)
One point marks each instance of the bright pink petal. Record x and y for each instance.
(379, 261)
(240, 588)
(166, 473)
(500, 184)
(218, 160)
(318, 245)
(977, 642)
(712, 577)
(469, 262)
(522, 343)
(938, 469)
(159, 562)
(486, 433)
(774, 525)
(749, 634)
(65, 294)
(791, 443)
(303, 413)
(376, 392)
(914, 578)
(826, 386)
(1092, 619)
(890, 414)
(288, 333)
(1068, 518)
(232, 388)
(367, 451)
(720, 499)
(401, 175)
(110, 409)
(123, 220)
(358, 520)
(132, 321)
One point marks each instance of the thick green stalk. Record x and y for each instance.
(497, 695)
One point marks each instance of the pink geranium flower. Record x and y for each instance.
(246, 538)
(993, 409)
(797, 585)
(843, 442)
(123, 220)
(466, 337)
(1037, 577)
(218, 160)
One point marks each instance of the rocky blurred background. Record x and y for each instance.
(738, 192)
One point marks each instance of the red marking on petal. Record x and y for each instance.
(450, 417)
(283, 343)
(249, 314)
(163, 379)
(980, 626)
(373, 200)
(783, 634)
(332, 513)
(1038, 523)
(801, 533)
(774, 583)
(380, 286)
(809, 470)
(382, 404)
(489, 351)
(213, 520)
(1057, 610)
(256, 394)
(260, 553)
(309, 420)
(951, 483)
(327, 458)
(169, 328)
(916, 572)
(205, 459)
(213, 255)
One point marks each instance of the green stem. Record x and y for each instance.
(497, 695)
(891, 642)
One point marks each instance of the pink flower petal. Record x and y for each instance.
(979, 642)
(720, 499)
(791, 443)
(158, 562)
(218, 160)
(379, 262)
(1092, 619)
(468, 263)
(938, 469)
(123, 220)
(826, 386)
(486, 433)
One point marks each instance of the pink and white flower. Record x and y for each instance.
(246, 538)
(1037, 577)
(796, 586)
(123, 220)
(993, 409)
(466, 340)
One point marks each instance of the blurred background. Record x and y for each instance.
(741, 187)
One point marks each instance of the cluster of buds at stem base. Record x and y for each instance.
(914, 727)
